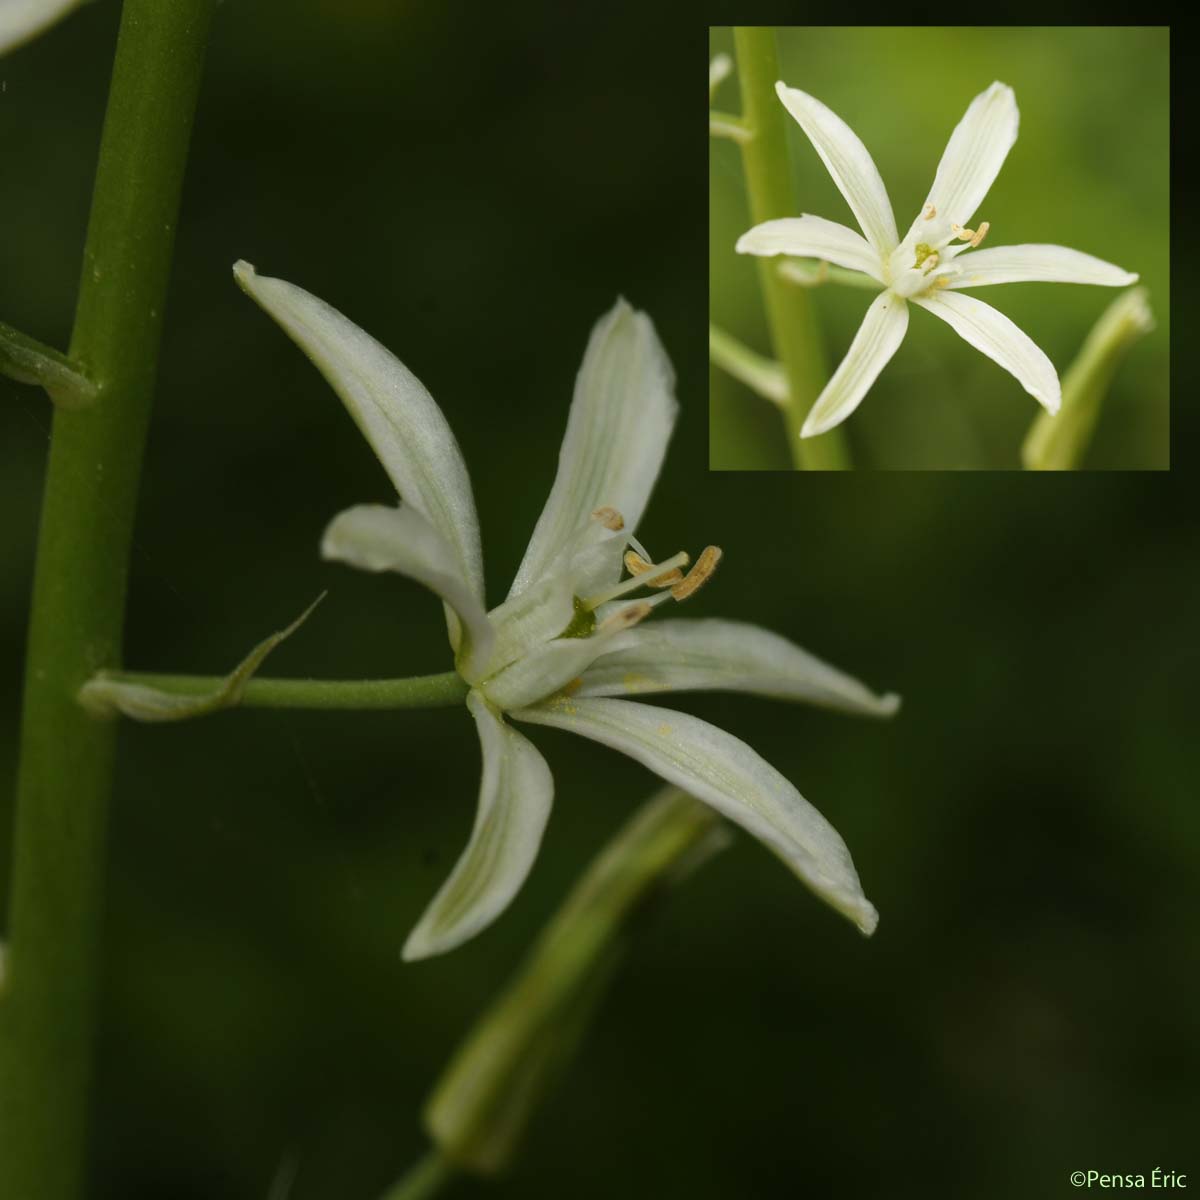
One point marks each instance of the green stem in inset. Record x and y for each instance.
(1058, 443)
(761, 375)
(794, 333)
(66, 755)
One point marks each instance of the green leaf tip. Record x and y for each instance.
(110, 694)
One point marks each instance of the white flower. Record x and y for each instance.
(568, 643)
(928, 267)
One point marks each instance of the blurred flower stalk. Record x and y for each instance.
(508, 1064)
(1059, 442)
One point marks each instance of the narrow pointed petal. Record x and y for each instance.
(1036, 264)
(621, 419)
(970, 163)
(373, 537)
(23, 20)
(727, 656)
(813, 237)
(877, 339)
(515, 796)
(724, 772)
(993, 334)
(399, 418)
(851, 165)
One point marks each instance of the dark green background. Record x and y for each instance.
(475, 194)
(1090, 170)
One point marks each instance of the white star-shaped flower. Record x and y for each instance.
(929, 267)
(568, 643)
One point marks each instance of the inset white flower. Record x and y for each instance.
(929, 267)
(568, 643)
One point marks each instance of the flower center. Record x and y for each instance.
(924, 268)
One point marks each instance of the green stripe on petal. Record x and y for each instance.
(970, 163)
(1035, 263)
(813, 237)
(992, 333)
(725, 773)
(399, 418)
(877, 339)
(621, 419)
(515, 796)
(849, 162)
(728, 656)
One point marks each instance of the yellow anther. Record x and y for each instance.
(942, 281)
(930, 212)
(609, 518)
(962, 234)
(700, 574)
(930, 262)
(635, 564)
(980, 233)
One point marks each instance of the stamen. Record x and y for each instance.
(930, 212)
(963, 234)
(635, 564)
(625, 618)
(980, 233)
(609, 518)
(699, 575)
(632, 584)
(930, 262)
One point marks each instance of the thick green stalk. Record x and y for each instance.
(794, 333)
(1059, 443)
(415, 691)
(66, 755)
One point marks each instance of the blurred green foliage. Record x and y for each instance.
(474, 190)
(1090, 170)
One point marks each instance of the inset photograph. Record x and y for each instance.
(870, 189)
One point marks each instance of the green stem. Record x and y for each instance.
(794, 333)
(759, 374)
(427, 1178)
(416, 691)
(66, 756)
